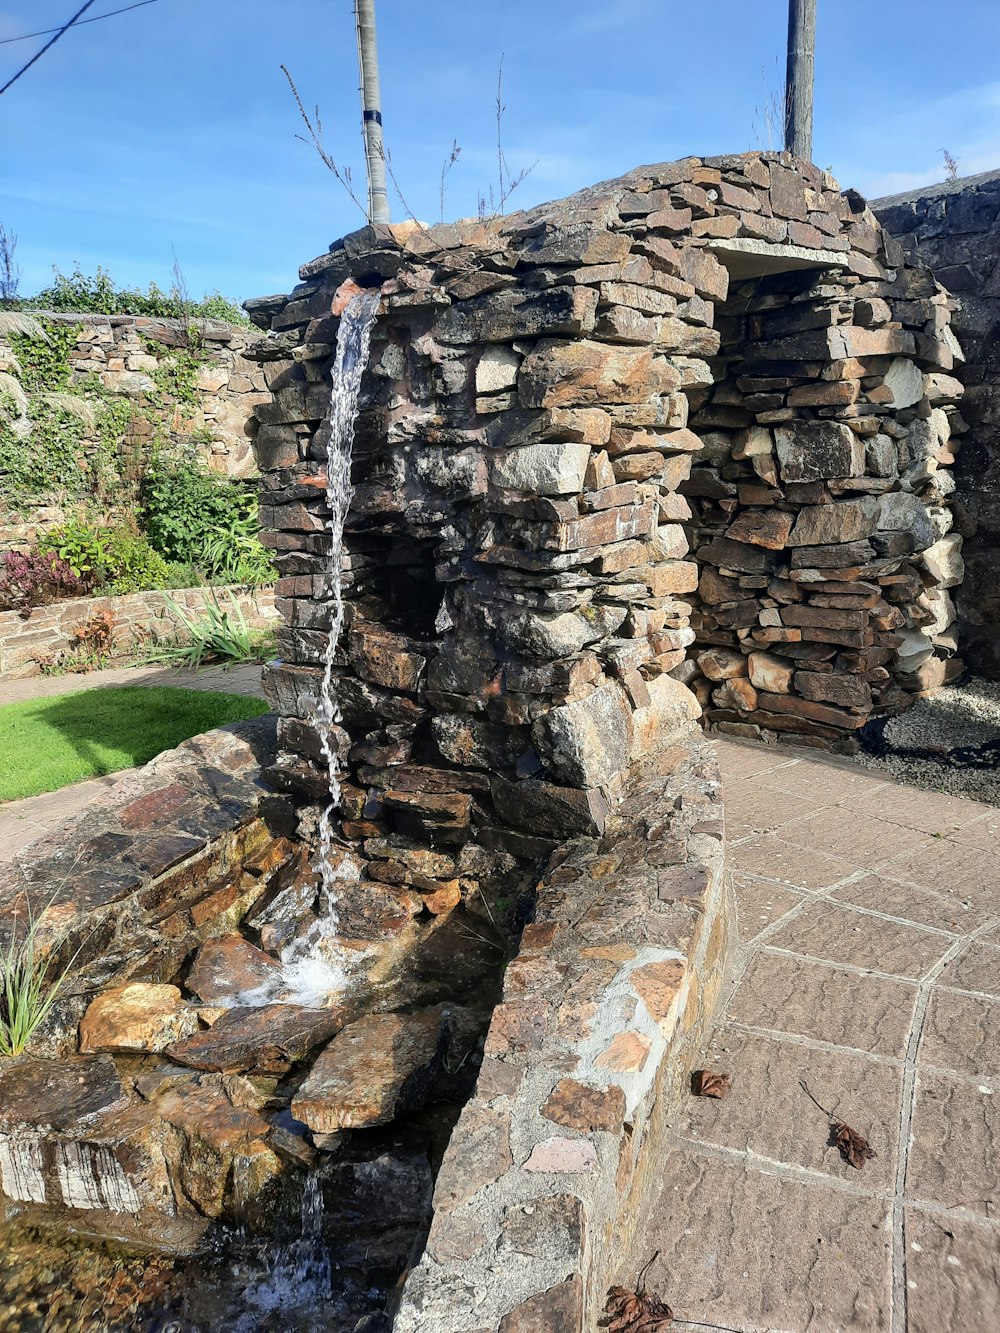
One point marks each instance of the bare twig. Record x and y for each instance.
(386, 157)
(343, 174)
(950, 165)
(508, 183)
(10, 273)
(768, 124)
(446, 167)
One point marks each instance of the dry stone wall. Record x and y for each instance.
(519, 564)
(954, 228)
(825, 532)
(128, 354)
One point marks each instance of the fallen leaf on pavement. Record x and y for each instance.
(708, 1083)
(636, 1311)
(854, 1147)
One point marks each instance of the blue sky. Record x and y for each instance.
(171, 128)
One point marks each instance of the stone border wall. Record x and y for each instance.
(587, 1061)
(139, 618)
(954, 228)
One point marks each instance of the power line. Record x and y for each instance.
(38, 54)
(6, 41)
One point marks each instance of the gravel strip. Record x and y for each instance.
(949, 742)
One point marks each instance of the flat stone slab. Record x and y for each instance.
(869, 921)
(373, 1071)
(266, 1041)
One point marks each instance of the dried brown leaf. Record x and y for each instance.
(854, 1147)
(709, 1083)
(636, 1312)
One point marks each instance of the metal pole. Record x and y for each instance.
(371, 103)
(799, 78)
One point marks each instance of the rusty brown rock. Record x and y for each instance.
(373, 1070)
(584, 1108)
(228, 967)
(140, 1016)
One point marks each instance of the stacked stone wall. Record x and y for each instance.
(954, 228)
(126, 353)
(824, 528)
(519, 570)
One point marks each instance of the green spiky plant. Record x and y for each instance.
(28, 988)
(219, 635)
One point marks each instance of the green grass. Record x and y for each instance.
(46, 744)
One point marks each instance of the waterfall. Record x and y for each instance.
(311, 973)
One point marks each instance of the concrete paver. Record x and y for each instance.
(869, 968)
(23, 822)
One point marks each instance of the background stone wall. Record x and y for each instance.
(127, 354)
(954, 228)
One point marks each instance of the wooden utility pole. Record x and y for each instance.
(371, 104)
(799, 78)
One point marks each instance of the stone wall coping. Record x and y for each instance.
(212, 330)
(588, 1056)
(959, 186)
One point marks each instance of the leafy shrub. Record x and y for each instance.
(182, 575)
(99, 295)
(132, 565)
(195, 517)
(117, 560)
(32, 579)
(82, 547)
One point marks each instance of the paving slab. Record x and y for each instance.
(866, 989)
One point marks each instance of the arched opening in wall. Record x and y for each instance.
(814, 612)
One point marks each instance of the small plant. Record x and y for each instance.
(219, 635)
(98, 294)
(91, 643)
(131, 564)
(28, 988)
(34, 579)
(950, 165)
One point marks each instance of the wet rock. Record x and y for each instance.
(374, 1070)
(544, 807)
(229, 967)
(138, 1017)
(266, 1041)
(375, 911)
(57, 1093)
(213, 1136)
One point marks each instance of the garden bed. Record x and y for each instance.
(47, 633)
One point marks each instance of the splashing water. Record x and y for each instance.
(298, 1276)
(311, 973)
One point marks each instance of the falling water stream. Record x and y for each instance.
(311, 970)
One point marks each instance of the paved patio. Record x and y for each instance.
(869, 969)
(21, 822)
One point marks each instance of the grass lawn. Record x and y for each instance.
(48, 743)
